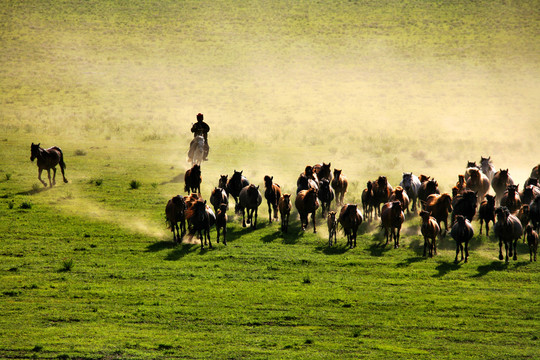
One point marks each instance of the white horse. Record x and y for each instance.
(197, 150)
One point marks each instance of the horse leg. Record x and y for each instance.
(244, 217)
(506, 259)
(269, 211)
(466, 250)
(225, 233)
(515, 249)
(425, 245)
(256, 213)
(49, 176)
(457, 253)
(314, 224)
(434, 244)
(500, 249)
(217, 232)
(481, 221)
(54, 176)
(207, 233)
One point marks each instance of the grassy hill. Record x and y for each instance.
(88, 269)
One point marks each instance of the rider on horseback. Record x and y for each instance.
(200, 128)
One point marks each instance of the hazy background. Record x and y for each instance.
(376, 88)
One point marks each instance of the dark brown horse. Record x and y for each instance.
(323, 171)
(401, 195)
(218, 197)
(174, 214)
(222, 183)
(285, 211)
(249, 199)
(534, 213)
(392, 218)
(272, 194)
(528, 194)
(465, 204)
(367, 201)
(47, 159)
(511, 199)
(428, 187)
(508, 229)
(524, 215)
(340, 184)
(535, 172)
(221, 222)
(234, 185)
(462, 232)
(381, 193)
(326, 196)
(306, 203)
(440, 206)
(501, 181)
(193, 179)
(430, 230)
(200, 219)
(532, 241)
(331, 221)
(461, 184)
(350, 219)
(486, 213)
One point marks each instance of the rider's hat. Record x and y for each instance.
(199, 116)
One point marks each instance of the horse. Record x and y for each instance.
(500, 182)
(339, 184)
(486, 213)
(234, 185)
(532, 241)
(222, 182)
(524, 215)
(272, 194)
(200, 219)
(470, 165)
(428, 187)
(411, 184)
(250, 198)
(462, 232)
(461, 184)
(528, 194)
(326, 195)
(367, 201)
(221, 222)
(285, 211)
(534, 213)
(196, 148)
(508, 229)
(350, 219)
(174, 214)
(218, 197)
(306, 203)
(381, 193)
(193, 179)
(323, 171)
(400, 195)
(479, 183)
(47, 159)
(305, 183)
(439, 206)
(331, 221)
(429, 229)
(535, 172)
(511, 199)
(465, 204)
(392, 218)
(487, 167)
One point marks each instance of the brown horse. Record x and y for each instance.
(200, 219)
(524, 215)
(428, 187)
(440, 206)
(234, 185)
(340, 184)
(221, 222)
(465, 204)
(479, 183)
(307, 202)
(401, 195)
(535, 172)
(193, 179)
(392, 218)
(323, 171)
(461, 184)
(367, 201)
(249, 199)
(218, 197)
(500, 182)
(222, 183)
(285, 211)
(174, 214)
(331, 221)
(272, 194)
(511, 199)
(350, 219)
(508, 229)
(430, 230)
(326, 196)
(381, 193)
(486, 213)
(47, 159)
(462, 232)
(532, 241)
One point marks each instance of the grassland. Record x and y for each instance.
(88, 269)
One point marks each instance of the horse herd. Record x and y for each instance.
(514, 213)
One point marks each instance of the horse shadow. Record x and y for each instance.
(177, 179)
(178, 250)
(445, 267)
(338, 249)
(496, 265)
(34, 191)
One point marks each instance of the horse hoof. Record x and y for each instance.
(501, 257)
(515, 258)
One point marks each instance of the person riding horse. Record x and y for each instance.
(200, 128)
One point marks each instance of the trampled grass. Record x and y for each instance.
(89, 270)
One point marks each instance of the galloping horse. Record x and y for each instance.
(175, 213)
(340, 184)
(326, 195)
(486, 213)
(411, 184)
(430, 229)
(439, 206)
(487, 167)
(508, 229)
(193, 179)
(234, 185)
(500, 182)
(250, 198)
(200, 219)
(462, 232)
(478, 182)
(285, 211)
(47, 160)
(272, 194)
(350, 219)
(306, 203)
(323, 171)
(392, 218)
(197, 149)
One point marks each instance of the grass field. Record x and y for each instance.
(88, 269)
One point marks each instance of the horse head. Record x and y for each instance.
(472, 164)
(268, 181)
(34, 151)
(425, 215)
(223, 181)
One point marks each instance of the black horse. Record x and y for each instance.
(47, 159)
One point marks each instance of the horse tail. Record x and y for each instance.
(61, 162)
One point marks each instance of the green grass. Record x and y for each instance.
(374, 87)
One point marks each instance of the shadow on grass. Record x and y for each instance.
(177, 179)
(409, 261)
(445, 267)
(34, 191)
(338, 249)
(497, 266)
